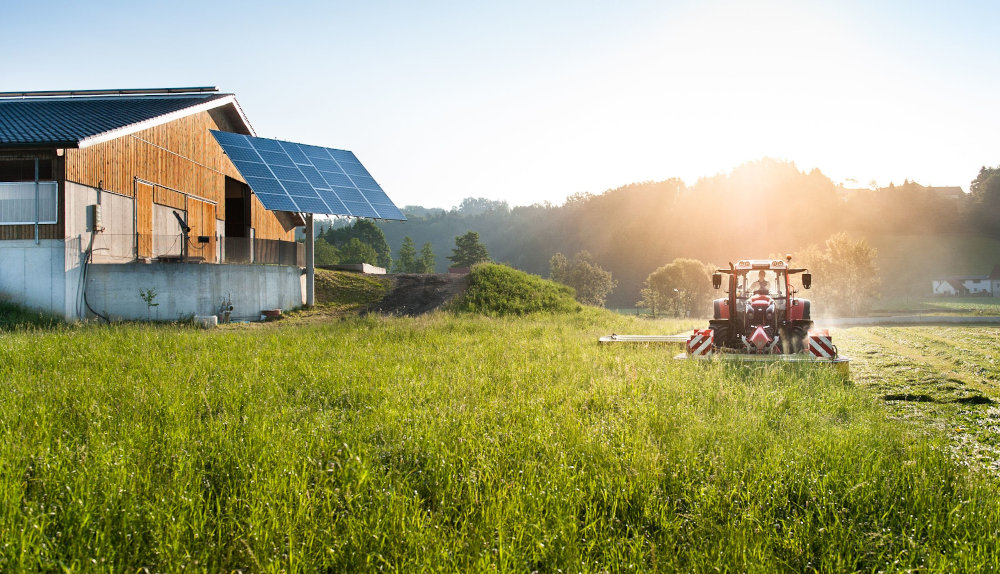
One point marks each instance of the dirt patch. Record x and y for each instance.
(975, 400)
(910, 397)
(416, 294)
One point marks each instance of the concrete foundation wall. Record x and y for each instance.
(184, 289)
(34, 275)
(48, 276)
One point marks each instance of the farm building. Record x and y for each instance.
(969, 285)
(106, 196)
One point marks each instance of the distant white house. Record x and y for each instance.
(969, 285)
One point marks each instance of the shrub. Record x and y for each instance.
(497, 290)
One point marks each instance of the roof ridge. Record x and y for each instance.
(85, 121)
(110, 92)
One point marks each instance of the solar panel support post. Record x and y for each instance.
(310, 261)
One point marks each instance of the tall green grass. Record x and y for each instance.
(13, 316)
(458, 443)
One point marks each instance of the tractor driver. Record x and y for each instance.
(761, 285)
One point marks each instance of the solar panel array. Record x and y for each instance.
(288, 176)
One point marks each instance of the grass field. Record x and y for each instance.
(978, 306)
(944, 379)
(460, 443)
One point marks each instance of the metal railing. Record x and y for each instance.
(262, 251)
(171, 248)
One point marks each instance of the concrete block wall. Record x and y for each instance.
(192, 289)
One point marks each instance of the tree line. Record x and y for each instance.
(362, 241)
(759, 208)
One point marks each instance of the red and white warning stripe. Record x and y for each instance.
(701, 342)
(821, 344)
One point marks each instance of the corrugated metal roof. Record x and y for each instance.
(65, 122)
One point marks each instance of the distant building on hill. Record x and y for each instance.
(947, 192)
(969, 285)
(953, 192)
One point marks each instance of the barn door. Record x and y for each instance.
(201, 219)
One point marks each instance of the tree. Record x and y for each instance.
(650, 299)
(984, 195)
(368, 233)
(324, 253)
(846, 277)
(468, 251)
(407, 262)
(684, 286)
(426, 261)
(478, 205)
(592, 284)
(355, 252)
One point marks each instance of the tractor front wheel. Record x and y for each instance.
(720, 332)
(800, 335)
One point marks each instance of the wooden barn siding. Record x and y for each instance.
(144, 220)
(28, 231)
(145, 155)
(49, 231)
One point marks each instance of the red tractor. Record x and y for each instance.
(761, 315)
(761, 320)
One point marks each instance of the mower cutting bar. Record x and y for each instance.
(681, 339)
(840, 363)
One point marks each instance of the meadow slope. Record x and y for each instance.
(459, 443)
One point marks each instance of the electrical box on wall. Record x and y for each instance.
(94, 222)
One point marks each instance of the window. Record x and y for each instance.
(23, 200)
(18, 202)
(24, 169)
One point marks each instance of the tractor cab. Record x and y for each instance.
(763, 282)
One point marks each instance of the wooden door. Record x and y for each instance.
(201, 220)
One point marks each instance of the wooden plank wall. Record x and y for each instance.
(144, 219)
(181, 155)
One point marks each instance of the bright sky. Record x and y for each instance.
(532, 101)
